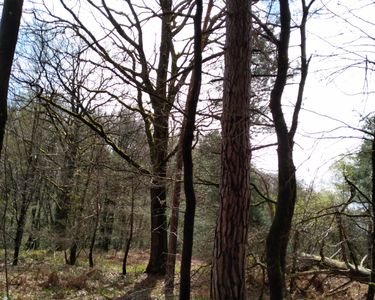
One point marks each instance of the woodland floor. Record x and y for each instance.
(43, 275)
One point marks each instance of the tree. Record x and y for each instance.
(228, 263)
(9, 27)
(190, 104)
(187, 157)
(278, 236)
(22, 167)
(146, 86)
(361, 187)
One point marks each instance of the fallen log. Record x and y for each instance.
(332, 266)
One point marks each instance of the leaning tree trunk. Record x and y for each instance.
(10, 23)
(229, 255)
(172, 242)
(187, 142)
(278, 236)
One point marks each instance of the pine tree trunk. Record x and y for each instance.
(229, 256)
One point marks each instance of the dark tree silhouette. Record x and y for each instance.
(9, 27)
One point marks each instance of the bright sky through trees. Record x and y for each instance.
(339, 89)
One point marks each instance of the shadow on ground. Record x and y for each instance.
(142, 290)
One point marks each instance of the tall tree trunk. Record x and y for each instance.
(9, 27)
(158, 255)
(371, 287)
(159, 149)
(172, 242)
(187, 142)
(229, 255)
(278, 236)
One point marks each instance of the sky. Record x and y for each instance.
(338, 35)
(336, 98)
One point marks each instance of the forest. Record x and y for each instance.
(187, 149)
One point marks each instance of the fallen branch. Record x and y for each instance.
(337, 267)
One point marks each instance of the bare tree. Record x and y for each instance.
(187, 142)
(145, 83)
(278, 236)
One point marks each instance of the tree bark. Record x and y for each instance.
(172, 242)
(158, 255)
(187, 142)
(159, 150)
(278, 236)
(371, 287)
(9, 27)
(229, 255)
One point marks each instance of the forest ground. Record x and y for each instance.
(43, 275)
